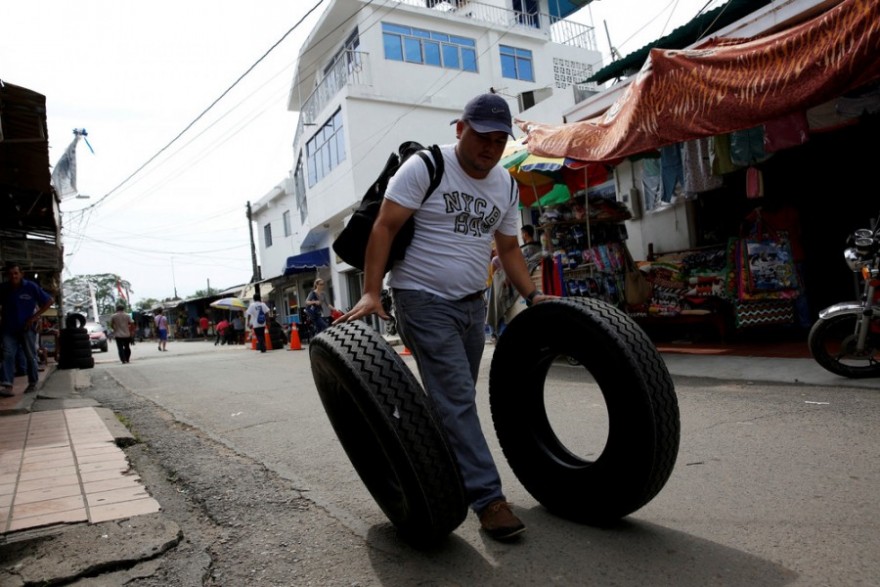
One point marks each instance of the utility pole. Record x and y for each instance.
(256, 275)
(615, 54)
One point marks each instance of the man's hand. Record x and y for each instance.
(368, 304)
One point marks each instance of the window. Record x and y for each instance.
(267, 235)
(517, 63)
(326, 149)
(413, 45)
(285, 218)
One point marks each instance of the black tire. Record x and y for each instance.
(75, 321)
(88, 363)
(387, 426)
(832, 344)
(643, 418)
(76, 363)
(104, 346)
(76, 354)
(74, 336)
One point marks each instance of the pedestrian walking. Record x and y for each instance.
(122, 325)
(204, 326)
(162, 329)
(318, 306)
(238, 328)
(23, 302)
(221, 331)
(257, 316)
(438, 287)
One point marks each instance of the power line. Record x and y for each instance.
(210, 106)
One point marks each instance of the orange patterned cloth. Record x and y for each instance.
(725, 85)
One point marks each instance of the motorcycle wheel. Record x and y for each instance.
(832, 343)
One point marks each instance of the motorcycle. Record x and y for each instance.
(846, 338)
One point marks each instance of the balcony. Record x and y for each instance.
(350, 68)
(555, 29)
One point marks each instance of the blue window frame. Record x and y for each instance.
(414, 45)
(517, 63)
(326, 149)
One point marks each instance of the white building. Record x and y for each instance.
(373, 75)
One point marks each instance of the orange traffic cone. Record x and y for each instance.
(405, 352)
(295, 344)
(253, 340)
(268, 340)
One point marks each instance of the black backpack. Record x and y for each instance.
(351, 244)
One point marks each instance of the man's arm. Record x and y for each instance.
(391, 218)
(49, 301)
(514, 265)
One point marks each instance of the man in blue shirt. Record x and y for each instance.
(23, 302)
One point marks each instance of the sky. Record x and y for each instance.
(171, 220)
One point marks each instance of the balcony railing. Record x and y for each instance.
(350, 68)
(557, 30)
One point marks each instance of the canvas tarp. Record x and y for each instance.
(725, 85)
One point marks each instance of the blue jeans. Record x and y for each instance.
(12, 342)
(447, 340)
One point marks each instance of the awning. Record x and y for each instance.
(309, 261)
(726, 85)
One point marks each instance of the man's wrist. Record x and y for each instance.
(530, 299)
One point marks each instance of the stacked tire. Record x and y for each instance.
(74, 346)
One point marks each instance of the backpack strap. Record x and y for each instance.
(513, 191)
(435, 168)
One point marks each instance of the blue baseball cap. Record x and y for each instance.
(487, 113)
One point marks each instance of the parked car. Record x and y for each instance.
(97, 335)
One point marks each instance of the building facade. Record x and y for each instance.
(371, 77)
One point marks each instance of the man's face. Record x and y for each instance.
(13, 275)
(477, 152)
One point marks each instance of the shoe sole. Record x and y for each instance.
(506, 536)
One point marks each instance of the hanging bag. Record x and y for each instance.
(351, 244)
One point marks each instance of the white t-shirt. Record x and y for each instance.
(252, 312)
(450, 251)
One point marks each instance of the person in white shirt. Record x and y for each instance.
(257, 316)
(438, 287)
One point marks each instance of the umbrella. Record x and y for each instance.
(229, 304)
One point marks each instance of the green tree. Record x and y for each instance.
(106, 287)
(147, 304)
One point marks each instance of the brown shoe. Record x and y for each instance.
(499, 521)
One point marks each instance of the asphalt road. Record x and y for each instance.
(774, 484)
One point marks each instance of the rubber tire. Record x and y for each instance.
(388, 427)
(643, 416)
(77, 354)
(65, 362)
(817, 336)
(74, 321)
(88, 363)
(76, 336)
